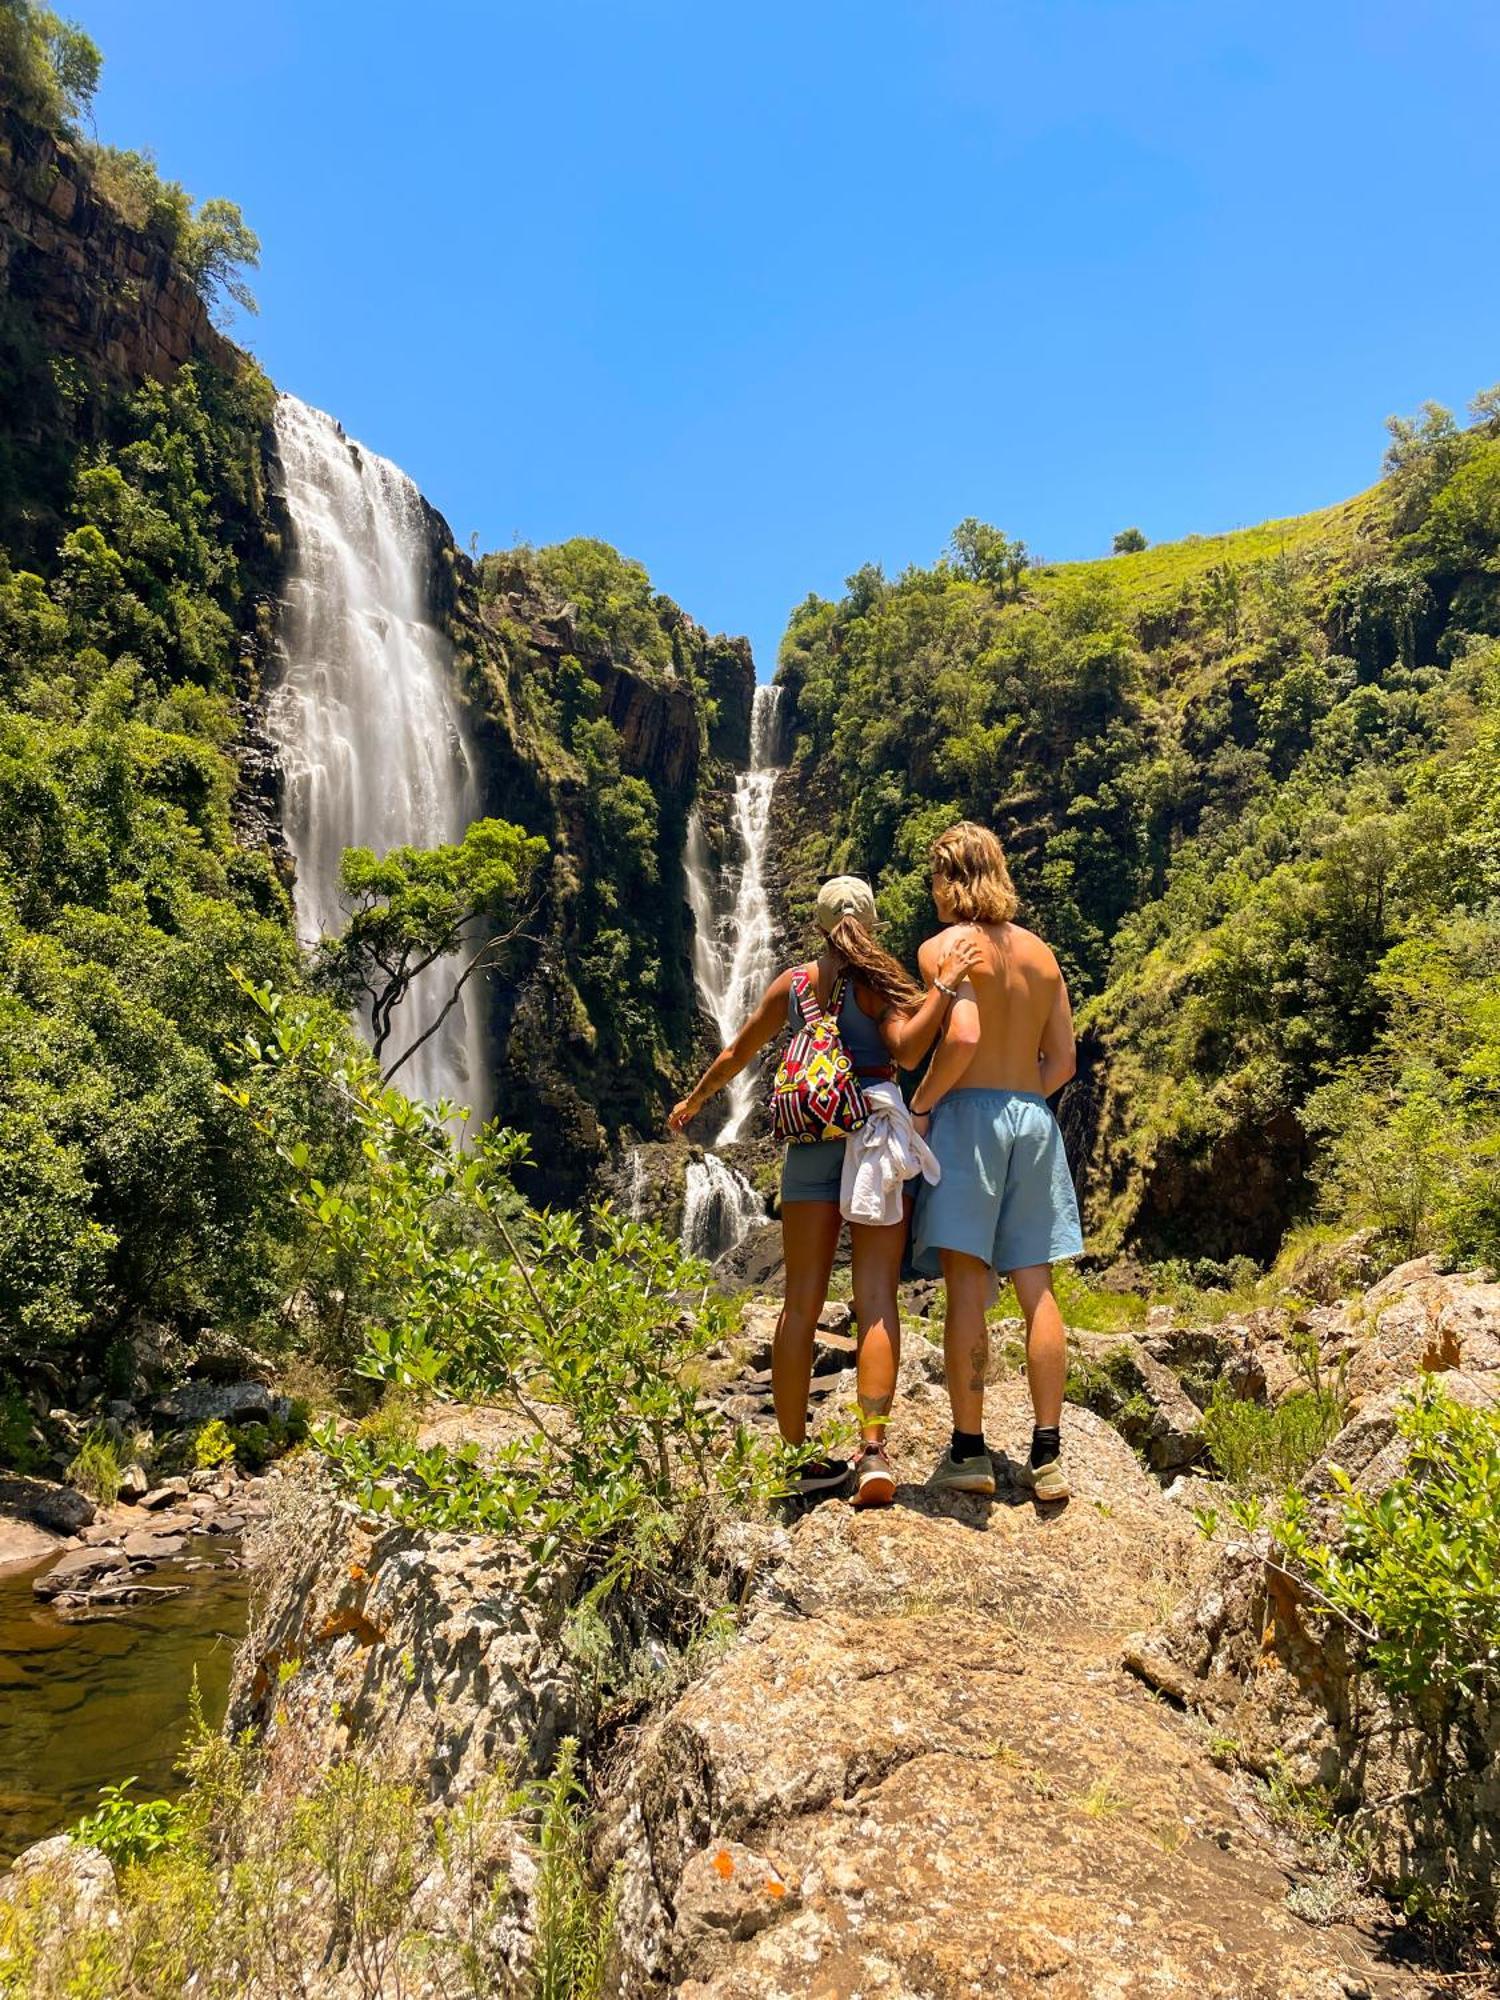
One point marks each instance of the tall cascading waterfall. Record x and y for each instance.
(367, 715)
(733, 962)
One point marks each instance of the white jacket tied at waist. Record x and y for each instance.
(881, 1157)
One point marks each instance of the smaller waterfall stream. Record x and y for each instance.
(721, 1208)
(733, 945)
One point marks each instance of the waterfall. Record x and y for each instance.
(733, 937)
(721, 1208)
(733, 943)
(636, 1185)
(367, 715)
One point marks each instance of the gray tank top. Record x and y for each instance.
(860, 1035)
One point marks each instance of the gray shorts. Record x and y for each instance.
(813, 1171)
(1006, 1194)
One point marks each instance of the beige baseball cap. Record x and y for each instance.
(845, 896)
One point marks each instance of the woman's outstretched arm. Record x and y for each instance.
(745, 1047)
(910, 1036)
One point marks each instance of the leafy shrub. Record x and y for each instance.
(19, 1448)
(1415, 1571)
(96, 1468)
(574, 1925)
(212, 1445)
(256, 1444)
(242, 1887)
(130, 1829)
(1269, 1446)
(452, 1287)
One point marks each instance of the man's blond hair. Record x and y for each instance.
(970, 863)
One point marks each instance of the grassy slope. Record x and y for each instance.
(1156, 578)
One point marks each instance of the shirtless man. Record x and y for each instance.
(1005, 1202)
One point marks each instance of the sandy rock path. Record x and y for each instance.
(920, 1771)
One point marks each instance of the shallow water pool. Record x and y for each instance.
(94, 1701)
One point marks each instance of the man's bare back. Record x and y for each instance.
(1017, 993)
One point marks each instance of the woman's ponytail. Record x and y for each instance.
(873, 967)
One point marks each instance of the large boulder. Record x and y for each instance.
(60, 1510)
(1420, 1320)
(196, 1403)
(1143, 1397)
(65, 1875)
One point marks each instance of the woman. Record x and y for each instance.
(884, 1020)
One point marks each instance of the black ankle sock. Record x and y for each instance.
(968, 1444)
(1046, 1444)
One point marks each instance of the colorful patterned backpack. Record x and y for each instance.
(816, 1094)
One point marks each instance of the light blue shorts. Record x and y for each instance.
(1006, 1194)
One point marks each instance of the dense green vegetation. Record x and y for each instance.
(124, 894)
(1251, 793)
(135, 551)
(1411, 1570)
(439, 1281)
(554, 629)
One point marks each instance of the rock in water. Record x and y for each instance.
(76, 1570)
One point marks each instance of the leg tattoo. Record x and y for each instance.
(979, 1360)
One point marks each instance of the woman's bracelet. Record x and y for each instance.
(951, 991)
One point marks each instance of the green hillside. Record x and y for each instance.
(1249, 787)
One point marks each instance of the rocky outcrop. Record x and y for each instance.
(657, 726)
(1251, 1650)
(908, 1764)
(917, 1770)
(1418, 1320)
(431, 1642)
(98, 288)
(1136, 1389)
(554, 1079)
(730, 672)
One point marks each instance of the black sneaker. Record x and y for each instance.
(819, 1475)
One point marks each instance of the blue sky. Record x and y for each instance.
(762, 293)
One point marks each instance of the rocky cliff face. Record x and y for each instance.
(99, 289)
(1250, 1650)
(563, 1076)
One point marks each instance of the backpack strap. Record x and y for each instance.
(805, 994)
